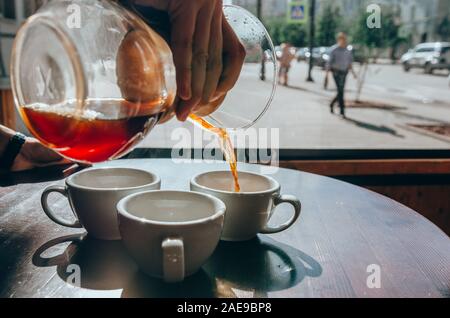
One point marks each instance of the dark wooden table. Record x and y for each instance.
(343, 232)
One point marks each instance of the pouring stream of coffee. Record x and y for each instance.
(225, 144)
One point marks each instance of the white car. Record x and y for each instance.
(428, 56)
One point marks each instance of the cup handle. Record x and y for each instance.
(279, 199)
(173, 260)
(50, 213)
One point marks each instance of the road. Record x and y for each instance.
(414, 86)
(301, 114)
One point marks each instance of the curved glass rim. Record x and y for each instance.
(275, 67)
(69, 47)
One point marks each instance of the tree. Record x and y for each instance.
(274, 28)
(280, 32)
(443, 28)
(328, 27)
(384, 37)
(365, 36)
(387, 36)
(295, 34)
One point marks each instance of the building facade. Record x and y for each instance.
(419, 18)
(270, 8)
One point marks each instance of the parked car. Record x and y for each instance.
(320, 56)
(358, 54)
(358, 57)
(301, 54)
(278, 51)
(428, 56)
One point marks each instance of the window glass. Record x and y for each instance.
(392, 104)
(8, 9)
(425, 50)
(445, 50)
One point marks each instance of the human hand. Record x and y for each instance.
(33, 155)
(207, 54)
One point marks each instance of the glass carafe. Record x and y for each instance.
(81, 95)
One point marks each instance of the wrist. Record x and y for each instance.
(11, 151)
(5, 136)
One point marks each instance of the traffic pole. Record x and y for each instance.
(312, 31)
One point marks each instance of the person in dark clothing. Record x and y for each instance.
(340, 63)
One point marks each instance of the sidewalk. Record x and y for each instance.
(301, 112)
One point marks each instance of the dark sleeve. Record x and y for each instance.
(158, 20)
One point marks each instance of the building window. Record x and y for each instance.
(8, 9)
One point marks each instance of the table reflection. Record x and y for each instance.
(257, 267)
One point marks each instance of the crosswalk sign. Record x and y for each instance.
(298, 12)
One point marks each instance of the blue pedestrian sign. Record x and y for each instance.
(298, 12)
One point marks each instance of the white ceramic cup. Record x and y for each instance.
(248, 211)
(93, 195)
(170, 234)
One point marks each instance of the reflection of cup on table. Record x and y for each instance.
(104, 265)
(170, 234)
(93, 195)
(248, 211)
(257, 265)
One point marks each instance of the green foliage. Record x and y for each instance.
(391, 28)
(328, 26)
(386, 36)
(281, 31)
(294, 34)
(365, 36)
(274, 28)
(443, 28)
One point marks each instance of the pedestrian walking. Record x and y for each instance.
(285, 60)
(339, 64)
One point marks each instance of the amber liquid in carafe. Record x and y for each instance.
(225, 144)
(106, 129)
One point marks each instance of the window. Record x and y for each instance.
(389, 107)
(8, 9)
(445, 50)
(426, 50)
(31, 6)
